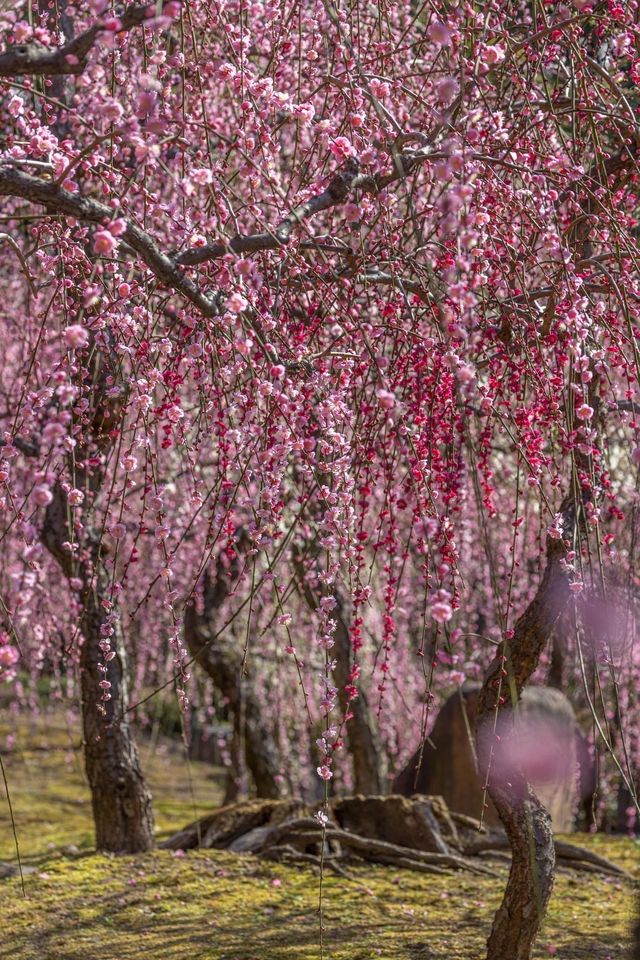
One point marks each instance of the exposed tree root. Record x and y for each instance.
(568, 855)
(431, 840)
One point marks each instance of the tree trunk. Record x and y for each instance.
(528, 827)
(236, 782)
(120, 799)
(555, 677)
(221, 657)
(121, 802)
(365, 749)
(588, 774)
(261, 752)
(526, 822)
(364, 745)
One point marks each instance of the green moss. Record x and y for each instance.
(50, 797)
(217, 906)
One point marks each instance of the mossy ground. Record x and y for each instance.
(217, 906)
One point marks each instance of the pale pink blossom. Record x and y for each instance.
(9, 655)
(584, 412)
(341, 148)
(76, 336)
(15, 106)
(42, 495)
(493, 54)
(104, 242)
(53, 432)
(236, 303)
(439, 32)
(175, 414)
(446, 89)
(22, 31)
(118, 226)
(386, 399)
(441, 611)
(111, 110)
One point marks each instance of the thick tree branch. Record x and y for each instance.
(340, 188)
(70, 59)
(533, 627)
(14, 183)
(168, 268)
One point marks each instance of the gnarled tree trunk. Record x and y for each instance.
(121, 801)
(222, 658)
(556, 674)
(364, 745)
(365, 749)
(526, 821)
(236, 782)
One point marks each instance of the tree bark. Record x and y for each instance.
(530, 883)
(364, 744)
(526, 822)
(555, 677)
(236, 782)
(365, 749)
(120, 799)
(221, 658)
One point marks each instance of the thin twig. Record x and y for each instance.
(13, 825)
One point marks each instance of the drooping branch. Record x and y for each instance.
(366, 751)
(71, 59)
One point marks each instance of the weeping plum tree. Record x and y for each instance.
(355, 280)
